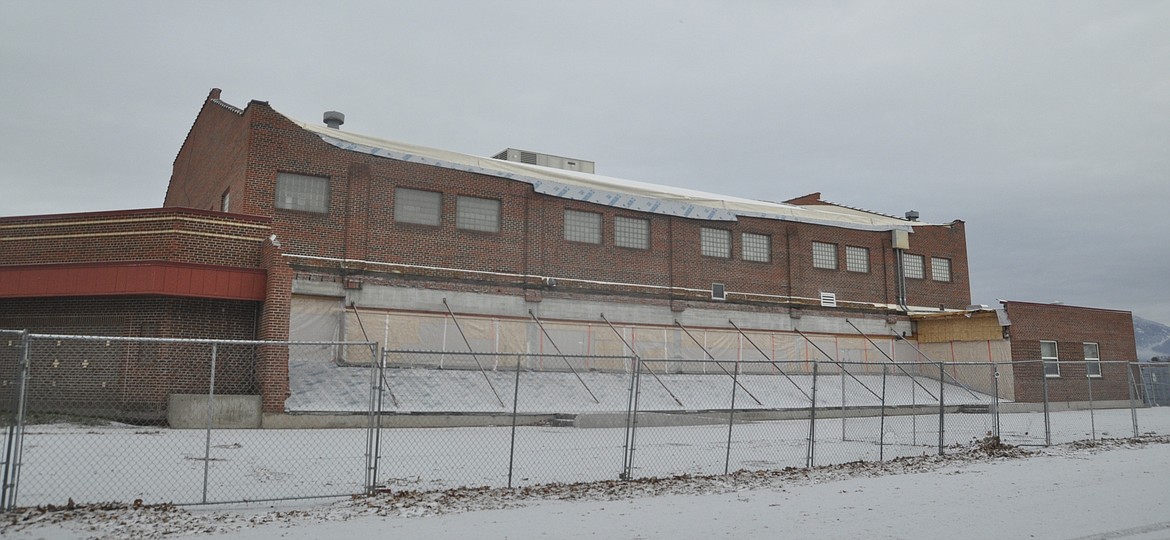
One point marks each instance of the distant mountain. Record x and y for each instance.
(1153, 338)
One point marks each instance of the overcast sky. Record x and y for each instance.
(1045, 126)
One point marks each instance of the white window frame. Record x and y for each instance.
(633, 233)
(940, 269)
(302, 192)
(1050, 361)
(477, 214)
(824, 255)
(1093, 361)
(584, 227)
(756, 247)
(225, 201)
(917, 270)
(857, 259)
(418, 207)
(715, 242)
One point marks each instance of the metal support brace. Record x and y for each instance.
(929, 359)
(473, 355)
(839, 364)
(899, 366)
(718, 363)
(635, 353)
(567, 363)
(770, 361)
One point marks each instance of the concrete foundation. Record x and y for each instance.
(228, 411)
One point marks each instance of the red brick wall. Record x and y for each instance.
(360, 225)
(128, 380)
(212, 160)
(159, 234)
(1070, 327)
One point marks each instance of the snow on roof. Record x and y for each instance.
(609, 191)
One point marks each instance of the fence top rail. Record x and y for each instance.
(71, 337)
(507, 354)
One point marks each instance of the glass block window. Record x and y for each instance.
(631, 232)
(1050, 358)
(302, 192)
(940, 269)
(913, 266)
(715, 242)
(1092, 360)
(757, 247)
(582, 227)
(416, 206)
(857, 259)
(824, 255)
(476, 214)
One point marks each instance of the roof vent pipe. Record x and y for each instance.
(334, 119)
(912, 215)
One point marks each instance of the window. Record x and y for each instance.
(416, 206)
(1048, 355)
(913, 266)
(757, 247)
(631, 232)
(582, 227)
(856, 259)
(824, 255)
(225, 202)
(715, 242)
(302, 192)
(476, 214)
(940, 269)
(1092, 360)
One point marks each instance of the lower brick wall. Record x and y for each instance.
(126, 381)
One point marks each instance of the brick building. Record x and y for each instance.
(292, 229)
(1068, 349)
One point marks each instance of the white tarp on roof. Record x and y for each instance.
(608, 191)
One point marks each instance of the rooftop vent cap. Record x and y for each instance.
(334, 119)
(912, 215)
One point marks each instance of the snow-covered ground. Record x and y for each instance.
(1113, 489)
(157, 465)
(318, 386)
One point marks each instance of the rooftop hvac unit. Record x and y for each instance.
(718, 291)
(828, 299)
(545, 160)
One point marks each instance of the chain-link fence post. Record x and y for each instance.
(515, 406)
(632, 424)
(210, 404)
(812, 421)
(1132, 403)
(842, 402)
(942, 412)
(1092, 413)
(995, 395)
(1047, 421)
(882, 425)
(374, 431)
(731, 418)
(14, 443)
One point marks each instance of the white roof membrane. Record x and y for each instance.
(608, 191)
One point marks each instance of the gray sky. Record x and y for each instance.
(1044, 125)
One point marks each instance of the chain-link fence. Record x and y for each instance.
(96, 419)
(169, 420)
